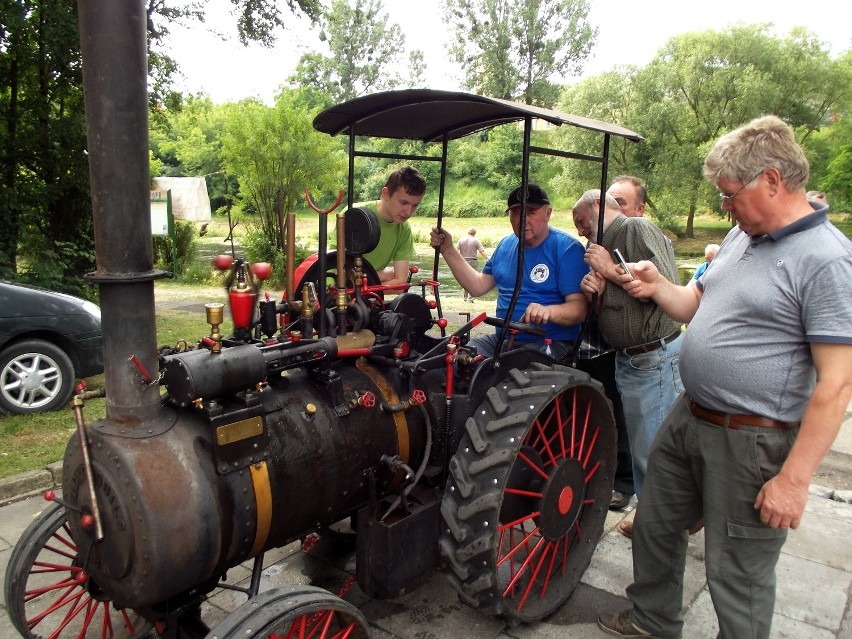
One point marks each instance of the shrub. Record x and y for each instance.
(180, 253)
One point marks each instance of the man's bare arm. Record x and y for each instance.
(782, 499)
(678, 302)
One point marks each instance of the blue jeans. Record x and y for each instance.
(487, 344)
(649, 384)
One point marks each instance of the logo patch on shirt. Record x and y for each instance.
(539, 273)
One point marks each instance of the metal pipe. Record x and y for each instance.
(113, 46)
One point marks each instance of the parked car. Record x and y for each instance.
(47, 341)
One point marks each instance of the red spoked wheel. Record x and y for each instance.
(48, 593)
(294, 612)
(528, 492)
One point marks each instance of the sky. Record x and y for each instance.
(630, 32)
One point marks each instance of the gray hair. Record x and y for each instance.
(587, 201)
(764, 143)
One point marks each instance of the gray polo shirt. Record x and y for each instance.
(765, 299)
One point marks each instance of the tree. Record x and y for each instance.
(46, 228)
(364, 50)
(703, 84)
(277, 154)
(699, 86)
(517, 49)
(256, 20)
(45, 219)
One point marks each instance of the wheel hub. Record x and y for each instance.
(562, 499)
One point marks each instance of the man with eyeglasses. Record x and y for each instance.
(767, 370)
(550, 295)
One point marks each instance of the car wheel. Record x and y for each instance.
(35, 376)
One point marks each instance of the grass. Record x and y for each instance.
(30, 442)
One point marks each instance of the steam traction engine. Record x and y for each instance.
(342, 401)
(268, 435)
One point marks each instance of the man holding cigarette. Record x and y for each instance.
(646, 340)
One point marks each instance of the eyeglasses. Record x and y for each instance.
(730, 198)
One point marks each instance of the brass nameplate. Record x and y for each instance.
(238, 431)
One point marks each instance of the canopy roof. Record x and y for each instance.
(428, 115)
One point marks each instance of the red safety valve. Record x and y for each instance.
(87, 522)
(367, 400)
(417, 397)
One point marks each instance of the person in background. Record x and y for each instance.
(709, 253)
(767, 368)
(550, 295)
(399, 199)
(470, 248)
(817, 196)
(647, 342)
(630, 193)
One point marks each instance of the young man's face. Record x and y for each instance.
(537, 223)
(401, 205)
(628, 199)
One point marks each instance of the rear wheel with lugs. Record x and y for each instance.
(529, 491)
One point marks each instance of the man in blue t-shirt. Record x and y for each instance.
(550, 295)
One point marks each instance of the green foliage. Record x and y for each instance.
(277, 154)
(698, 87)
(45, 213)
(258, 246)
(364, 49)
(475, 208)
(179, 252)
(516, 50)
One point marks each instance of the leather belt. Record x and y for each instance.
(733, 422)
(647, 347)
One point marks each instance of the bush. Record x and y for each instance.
(475, 208)
(259, 247)
(185, 244)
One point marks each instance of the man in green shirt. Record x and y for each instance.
(400, 197)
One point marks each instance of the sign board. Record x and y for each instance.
(159, 213)
(162, 220)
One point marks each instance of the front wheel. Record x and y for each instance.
(48, 593)
(528, 492)
(294, 612)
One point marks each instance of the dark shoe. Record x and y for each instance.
(619, 500)
(619, 625)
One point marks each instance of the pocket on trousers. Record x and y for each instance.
(739, 530)
(645, 362)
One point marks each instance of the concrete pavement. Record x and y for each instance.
(814, 577)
